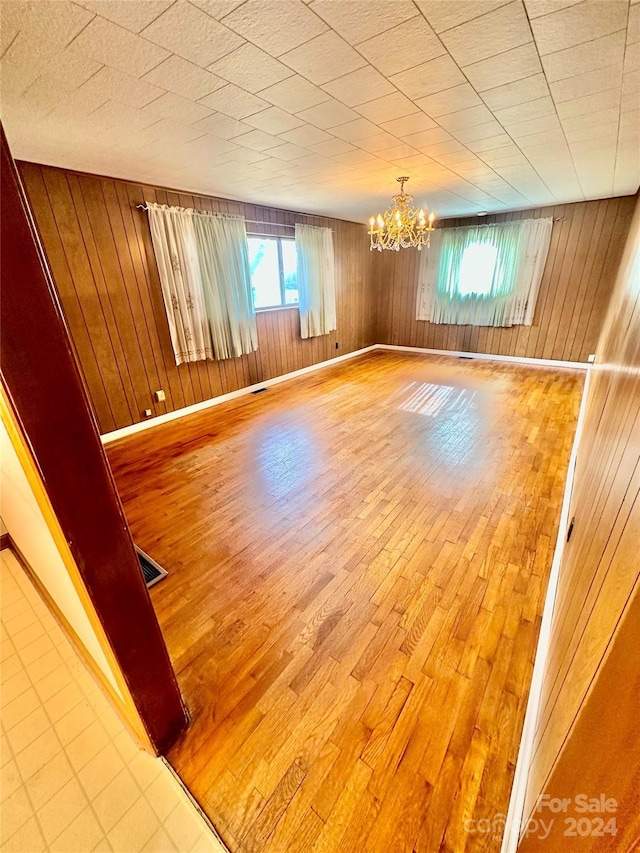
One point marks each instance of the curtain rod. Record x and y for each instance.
(251, 221)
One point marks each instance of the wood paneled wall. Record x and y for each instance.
(99, 248)
(585, 251)
(598, 591)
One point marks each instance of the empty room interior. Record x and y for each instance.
(320, 400)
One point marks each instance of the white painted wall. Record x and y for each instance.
(28, 528)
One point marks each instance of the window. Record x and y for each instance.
(477, 269)
(272, 261)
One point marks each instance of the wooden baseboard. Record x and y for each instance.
(487, 356)
(107, 688)
(5, 541)
(108, 437)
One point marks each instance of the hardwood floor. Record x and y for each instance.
(357, 564)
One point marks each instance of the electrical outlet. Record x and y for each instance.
(337, 345)
(591, 358)
(160, 396)
(147, 413)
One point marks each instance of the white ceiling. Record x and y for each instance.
(318, 106)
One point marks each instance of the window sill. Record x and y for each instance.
(277, 308)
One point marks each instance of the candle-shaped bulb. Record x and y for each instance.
(432, 216)
(380, 221)
(372, 222)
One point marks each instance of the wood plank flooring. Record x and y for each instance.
(357, 565)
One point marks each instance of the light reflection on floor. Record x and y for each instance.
(286, 457)
(453, 430)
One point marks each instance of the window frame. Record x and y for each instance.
(283, 304)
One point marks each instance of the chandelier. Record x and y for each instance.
(401, 226)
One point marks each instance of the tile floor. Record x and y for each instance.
(73, 779)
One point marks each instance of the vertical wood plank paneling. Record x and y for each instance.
(586, 246)
(599, 586)
(100, 250)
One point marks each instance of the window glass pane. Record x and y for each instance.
(265, 273)
(289, 271)
(476, 269)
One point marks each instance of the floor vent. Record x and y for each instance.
(151, 571)
(258, 390)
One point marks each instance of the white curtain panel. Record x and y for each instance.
(174, 244)
(206, 282)
(226, 279)
(316, 280)
(486, 275)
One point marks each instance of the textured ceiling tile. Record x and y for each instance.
(413, 123)
(595, 131)
(179, 109)
(427, 137)
(328, 114)
(359, 87)
(438, 148)
(287, 151)
(258, 140)
(276, 26)
(450, 101)
(332, 147)
(58, 22)
(354, 19)
(589, 103)
(528, 110)
(274, 121)
(429, 78)
(126, 118)
(251, 68)
(307, 135)
(78, 105)
(584, 57)
(324, 58)
(132, 16)
(294, 94)
(217, 8)
(631, 83)
(632, 57)
(505, 68)
(474, 132)
(403, 47)
(234, 102)
(355, 157)
(168, 133)
(586, 84)
(492, 34)
(25, 61)
(106, 42)
(400, 151)
(545, 137)
(581, 23)
(222, 126)
(375, 144)
(445, 14)
(184, 78)
(245, 155)
(633, 25)
(361, 128)
(488, 143)
(388, 108)
(122, 87)
(466, 118)
(520, 129)
(192, 34)
(519, 92)
(536, 8)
